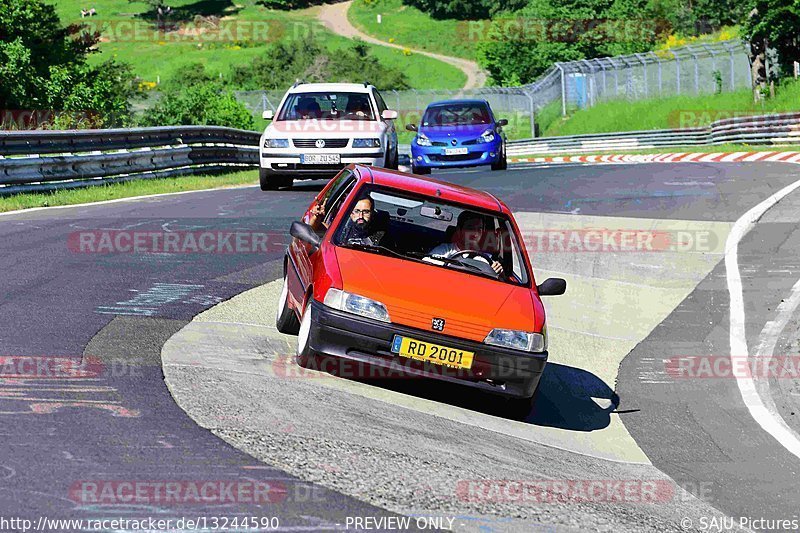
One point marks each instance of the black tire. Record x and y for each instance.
(285, 318)
(272, 182)
(396, 159)
(421, 171)
(502, 163)
(305, 357)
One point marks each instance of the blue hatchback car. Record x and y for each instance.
(458, 133)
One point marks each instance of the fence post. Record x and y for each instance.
(531, 108)
(660, 87)
(733, 71)
(644, 72)
(677, 72)
(263, 101)
(563, 91)
(696, 71)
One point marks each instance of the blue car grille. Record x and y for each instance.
(459, 157)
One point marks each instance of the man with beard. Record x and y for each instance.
(360, 228)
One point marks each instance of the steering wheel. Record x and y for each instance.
(482, 260)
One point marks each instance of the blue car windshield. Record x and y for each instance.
(460, 114)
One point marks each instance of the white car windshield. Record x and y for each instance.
(327, 106)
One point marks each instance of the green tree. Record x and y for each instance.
(43, 67)
(775, 23)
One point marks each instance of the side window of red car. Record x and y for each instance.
(337, 199)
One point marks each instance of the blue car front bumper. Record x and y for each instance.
(437, 157)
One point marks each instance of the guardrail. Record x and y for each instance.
(41, 160)
(47, 160)
(777, 129)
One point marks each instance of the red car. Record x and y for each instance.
(417, 277)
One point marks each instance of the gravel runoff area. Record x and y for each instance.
(232, 372)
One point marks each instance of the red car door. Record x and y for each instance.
(300, 271)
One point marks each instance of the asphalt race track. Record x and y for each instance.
(88, 417)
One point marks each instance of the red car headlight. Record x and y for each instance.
(518, 340)
(357, 305)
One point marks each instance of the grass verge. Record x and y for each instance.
(673, 112)
(127, 189)
(248, 29)
(722, 148)
(407, 26)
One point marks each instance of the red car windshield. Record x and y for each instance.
(421, 228)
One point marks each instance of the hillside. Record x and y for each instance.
(222, 34)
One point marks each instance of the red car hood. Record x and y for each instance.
(415, 293)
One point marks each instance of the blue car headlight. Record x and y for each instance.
(487, 136)
(276, 143)
(422, 140)
(366, 143)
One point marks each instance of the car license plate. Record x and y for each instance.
(432, 353)
(320, 159)
(455, 151)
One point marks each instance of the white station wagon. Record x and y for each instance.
(319, 128)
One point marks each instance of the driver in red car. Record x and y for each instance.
(471, 232)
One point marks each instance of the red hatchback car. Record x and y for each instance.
(418, 277)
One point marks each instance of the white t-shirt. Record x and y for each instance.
(446, 249)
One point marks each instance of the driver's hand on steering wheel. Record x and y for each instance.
(497, 267)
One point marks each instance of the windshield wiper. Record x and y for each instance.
(446, 260)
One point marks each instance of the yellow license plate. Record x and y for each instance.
(432, 353)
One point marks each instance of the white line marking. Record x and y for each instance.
(738, 341)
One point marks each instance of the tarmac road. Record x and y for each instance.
(116, 422)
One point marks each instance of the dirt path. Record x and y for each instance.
(334, 17)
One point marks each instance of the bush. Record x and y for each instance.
(465, 9)
(306, 59)
(203, 104)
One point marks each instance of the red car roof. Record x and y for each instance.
(429, 187)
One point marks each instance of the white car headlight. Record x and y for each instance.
(487, 136)
(276, 143)
(518, 340)
(358, 305)
(366, 143)
(423, 140)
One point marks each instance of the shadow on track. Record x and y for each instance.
(566, 398)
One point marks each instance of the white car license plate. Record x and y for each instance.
(455, 151)
(320, 159)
